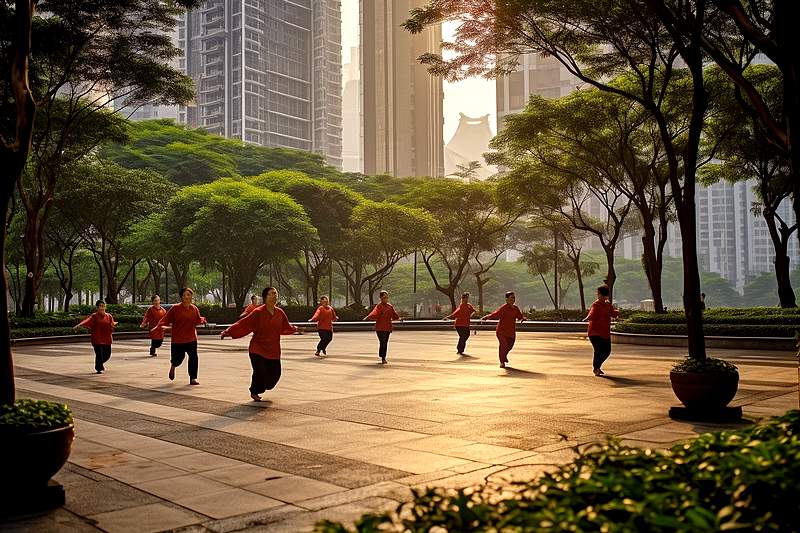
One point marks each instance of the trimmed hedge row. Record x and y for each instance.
(742, 480)
(718, 330)
(49, 331)
(762, 315)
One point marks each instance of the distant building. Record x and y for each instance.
(352, 140)
(402, 114)
(266, 72)
(469, 143)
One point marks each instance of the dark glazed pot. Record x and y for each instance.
(704, 390)
(31, 459)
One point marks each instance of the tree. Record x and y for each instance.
(378, 236)
(104, 201)
(468, 214)
(62, 243)
(239, 228)
(747, 155)
(497, 240)
(468, 172)
(328, 206)
(90, 57)
(585, 37)
(17, 114)
(189, 156)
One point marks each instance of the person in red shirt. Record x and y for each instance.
(383, 314)
(599, 318)
(462, 314)
(267, 323)
(324, 316)
(101, 325)
(150, 321)
(250, 307)
(506, 330)
(183, 318)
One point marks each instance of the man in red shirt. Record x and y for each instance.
(267, 323)
(462, 314)
(324, 316)
(184, 318)
(151, 319)
(506, 330)
(383, 314)
(599, 318)
(250, 307)
(101, 324)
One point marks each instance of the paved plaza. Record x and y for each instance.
(344, 435)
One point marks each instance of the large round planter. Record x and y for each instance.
(29, 460)
(704, 390)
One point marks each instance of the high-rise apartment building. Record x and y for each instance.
(352, 140)
(402, 113)
(266, 72)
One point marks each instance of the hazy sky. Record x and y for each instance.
(472, 97)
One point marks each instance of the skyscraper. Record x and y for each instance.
(352, 142)
(266, 72)
(402, 113)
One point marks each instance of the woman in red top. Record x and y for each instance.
(507, 316)
(267, 323)
(324, 316)
(462, 314)
(250, 307)
(383, 314)
(150, 321)
(183, 318)
(101, 324)
(599, 318)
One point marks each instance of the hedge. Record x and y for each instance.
(742, 480)
(23, 333)
(761, 315)
(718, 330)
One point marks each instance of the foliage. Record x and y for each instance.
(31, 416)
(719, 330)
(710, 365)
(189, 156)
(724, 315)
(730, 480)
(26, 333)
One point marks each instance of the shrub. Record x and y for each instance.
(709, 365)
(744, 480)
(22, 333)
(720, 330)
(26, 416)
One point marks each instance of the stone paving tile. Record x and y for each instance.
(58, 521)
(519, 473)
(247, 521)
(227, 503)
(428, 477)
(458, 481)
(481, 452)
(141, 471)
(412, 461)
(386, 489)
(293, 489)
(201, 462)
(181, 486)
(243, 474)
(346, 513)
(92, 497)
(144, 519)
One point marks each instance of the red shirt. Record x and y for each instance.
(462, 315)
(249, 309)
(383, 314)
(183, 322)
(100, 326)
(151, 320)
(324, 318)
(266, 328)
(507, 316)
(600, 315)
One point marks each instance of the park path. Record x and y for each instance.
(343, 435)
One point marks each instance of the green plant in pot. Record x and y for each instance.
(37, 439)
(707, 384)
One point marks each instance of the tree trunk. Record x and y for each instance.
(7, 391)
(35, 260)
(480, 283)
(651, 264)
(576, 262)
(780, 243)
(611, 272)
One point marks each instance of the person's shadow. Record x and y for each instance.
(628, 382)
(519, 373)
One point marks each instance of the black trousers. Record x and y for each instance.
(179, 351)
(102, 353)
(383, 339)
(325, 338)
(154, 344)
(602, 349)
(463, 336)
(266, 373)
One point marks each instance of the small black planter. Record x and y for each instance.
(28, 462)
(705, 395)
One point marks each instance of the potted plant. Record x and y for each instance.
(704, 384)
(36, 439)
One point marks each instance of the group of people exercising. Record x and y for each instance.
(267, 322)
